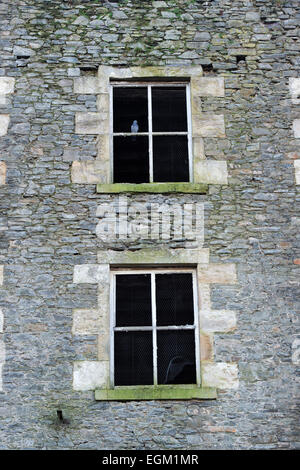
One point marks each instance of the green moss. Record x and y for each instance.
(159, 392)
(197, 188)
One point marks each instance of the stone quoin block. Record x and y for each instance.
(85, 321)
(212, 321)
(90, 273)
(87, 85)
(91, 123)
(296, 128)
(209, 125)
(294, 86)
(4, 123)
(1, 274)
(297, 171)
(7, 85)
(206, 346)
(2, 173)
(210, 172)
(90, 172)
(208, 86)
(217, 274)
(1, 320)
(221, 375)
(89, 375)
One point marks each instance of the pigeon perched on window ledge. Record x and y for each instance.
(134, 128)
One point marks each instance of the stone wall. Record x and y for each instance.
(48, 221)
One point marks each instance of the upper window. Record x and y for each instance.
(154, 329)
(150, 132)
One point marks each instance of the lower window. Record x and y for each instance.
(154, 328)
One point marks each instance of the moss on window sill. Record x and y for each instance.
(159, 392)
(197, 188)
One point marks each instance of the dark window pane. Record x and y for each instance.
(133, 300)
(130, 104)
(169, 109)
(131, 159)
(174, 299)
(176, 357)
(170, 158)
(133, 358)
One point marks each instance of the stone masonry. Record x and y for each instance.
(57, 197)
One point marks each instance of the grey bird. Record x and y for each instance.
(134, 128)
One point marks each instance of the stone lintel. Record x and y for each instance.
(150, 256)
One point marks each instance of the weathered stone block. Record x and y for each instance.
(206, 347)
(204, 296)
(91, 123)
(208, 86)
(103, 102)
(7, 85)
(2, 351)
(217, 320)
(209, 125)
(87, 85)
(1, 274)
(198, 149)
(86, 321)
(91, 273)
(4, 122)
(1, 320)
(89, 375)
(217, 274)
(296, 128)
(294, 86)
(297, 171)
(154, 256)
(210, 172)
(220, 375)
(1, 380)
(90, 172)
(2, 173)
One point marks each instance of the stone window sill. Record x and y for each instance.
(159, 392)
(196, 188)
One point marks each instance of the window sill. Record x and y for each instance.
(197, 188)
(160, 392)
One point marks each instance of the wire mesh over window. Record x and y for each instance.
(154, 332)
(133, 300)
(130, 104)
(133, 358)
(170, 158)
(169, 109)
(131, 159)
(174, 299)
(176, 357)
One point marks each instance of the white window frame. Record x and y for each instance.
(150, 133)
(154, 328)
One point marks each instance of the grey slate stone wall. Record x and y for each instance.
(48, 224)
